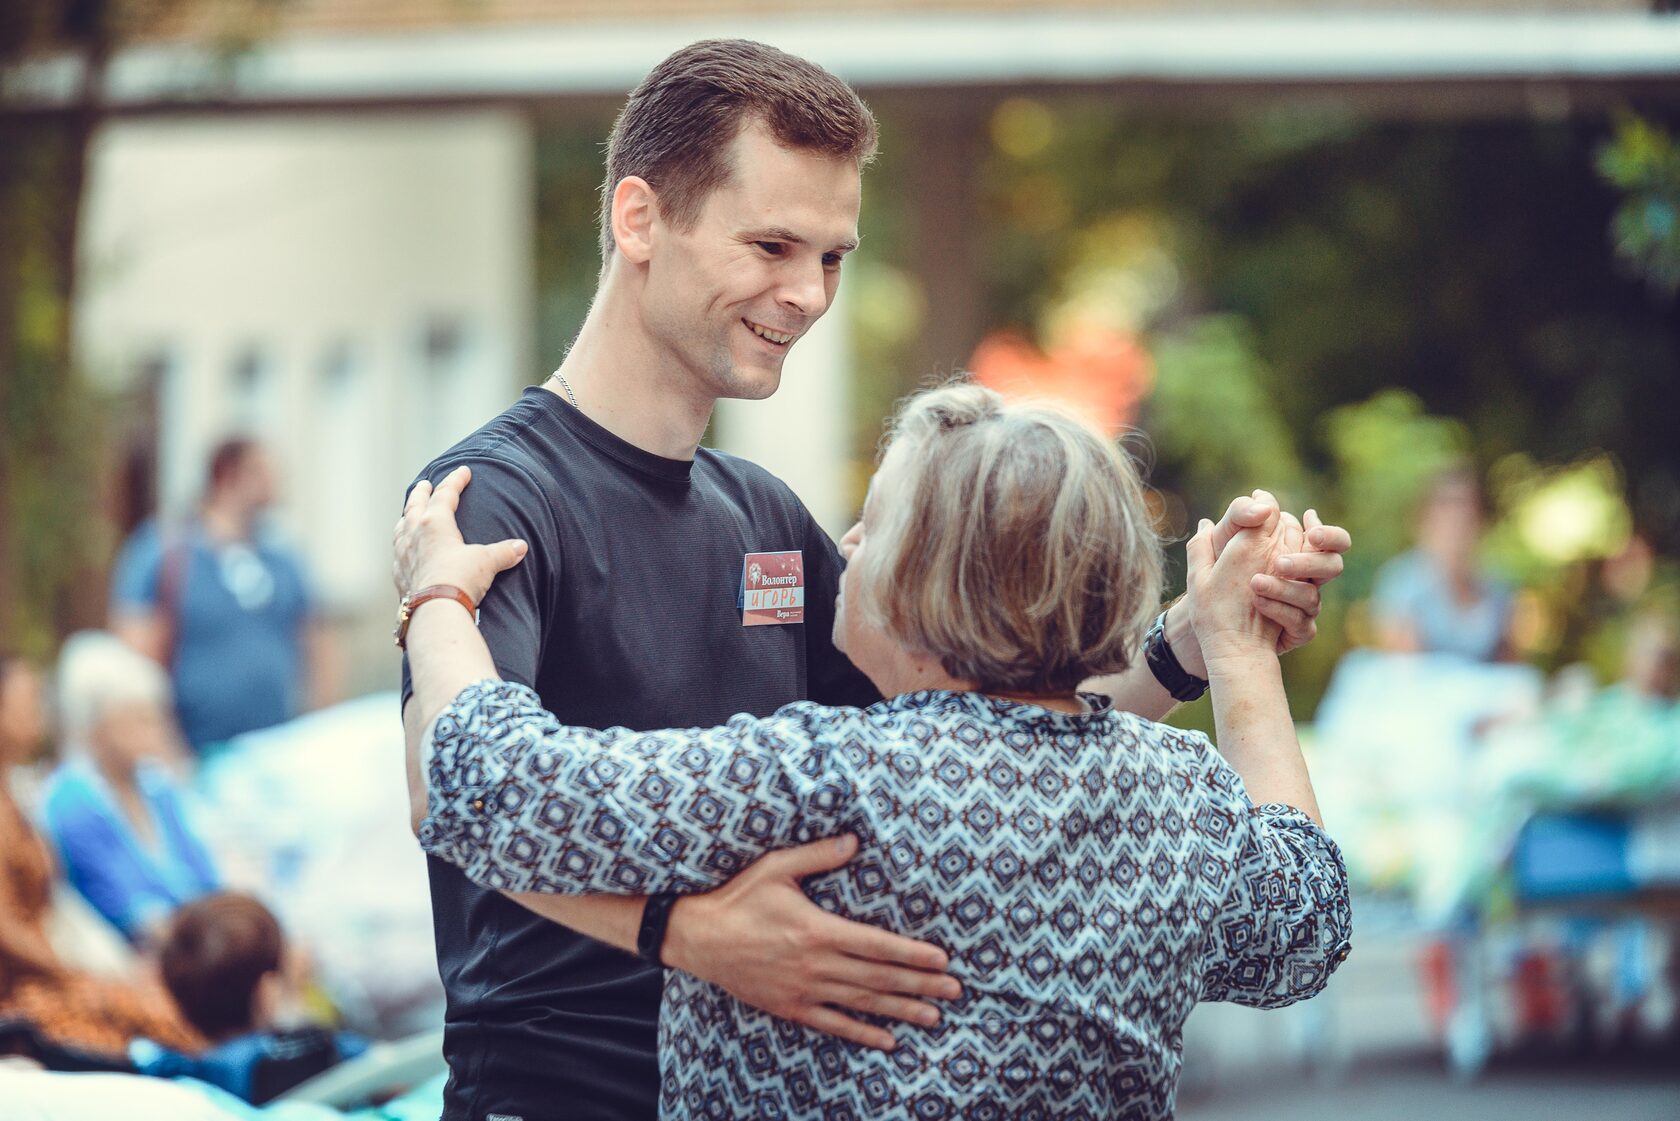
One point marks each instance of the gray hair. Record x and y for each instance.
(96, 672)
(1018, 548)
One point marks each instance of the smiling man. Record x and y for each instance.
(669, 585)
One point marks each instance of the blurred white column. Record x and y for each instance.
(800, 433)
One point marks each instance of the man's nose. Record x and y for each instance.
(805, 290)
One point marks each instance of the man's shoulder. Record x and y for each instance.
(508, 457)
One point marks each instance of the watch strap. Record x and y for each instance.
(1164, 664)
(656, 917)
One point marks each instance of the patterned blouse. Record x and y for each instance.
(1092, 877)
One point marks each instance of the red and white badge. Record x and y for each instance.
(773, 589)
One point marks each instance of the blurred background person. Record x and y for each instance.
(1652, 666)
(112, 807)
(226, 606)
(226, 962)
(23, 716)
(59, 1006)
(1435, 598)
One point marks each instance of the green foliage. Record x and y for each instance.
(567, 255)
(1214, 425)
(1643, 161)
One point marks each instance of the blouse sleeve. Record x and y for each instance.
(521, 802)
(1285, 924)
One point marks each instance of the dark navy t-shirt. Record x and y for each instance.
(625, 612)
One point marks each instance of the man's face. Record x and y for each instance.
(729, 297)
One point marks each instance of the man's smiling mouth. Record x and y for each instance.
(780, 338)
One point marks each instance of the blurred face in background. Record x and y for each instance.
(23, 715)
(1653, 659)
(130, 732)
(1450, 523)
(256, 480)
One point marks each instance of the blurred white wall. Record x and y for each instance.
(355, 290)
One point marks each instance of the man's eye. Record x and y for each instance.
(832, 260)
(773, 248)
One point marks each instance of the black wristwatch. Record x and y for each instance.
(656, 916)
(1164, 664)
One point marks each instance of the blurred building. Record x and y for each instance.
(324, 236)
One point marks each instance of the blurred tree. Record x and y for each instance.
(54, 544)
(1644, 162)
(47, 480)
(1317, 262)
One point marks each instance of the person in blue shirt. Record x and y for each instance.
(112, 808)
(226, 963)
(1436, 599)
(225, 605)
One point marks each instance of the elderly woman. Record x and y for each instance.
(1091, 874)
(112, 808)
(64, 1010)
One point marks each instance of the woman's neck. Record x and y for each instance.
(1055, 702)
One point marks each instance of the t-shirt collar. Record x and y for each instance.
(615, 447)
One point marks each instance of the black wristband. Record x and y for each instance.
(656, 916)
(1164, 664)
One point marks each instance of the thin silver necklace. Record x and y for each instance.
(570, 396)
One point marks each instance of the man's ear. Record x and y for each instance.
(635, 212)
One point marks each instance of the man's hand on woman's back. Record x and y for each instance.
(760, 939)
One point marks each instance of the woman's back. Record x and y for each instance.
(1092, 877)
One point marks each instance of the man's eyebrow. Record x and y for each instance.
(781, 233)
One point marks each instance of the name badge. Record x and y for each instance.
(773, 589)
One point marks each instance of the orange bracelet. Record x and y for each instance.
(405, 609)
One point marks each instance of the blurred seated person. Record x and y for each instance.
(112, 807)
(1652, 667)
(1435, 599)
(223, 603)
(226, 963)
(66, 1009)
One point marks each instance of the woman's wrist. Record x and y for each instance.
(1180, 633)
(1229, 659)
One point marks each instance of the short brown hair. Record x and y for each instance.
(1016, 546)
(676, 128)
(218, 949)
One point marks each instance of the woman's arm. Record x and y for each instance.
(1255, 731)
(521, 802)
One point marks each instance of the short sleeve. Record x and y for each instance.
(134, 575)
(831, 677)
(503, 501)
(1285, 924)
